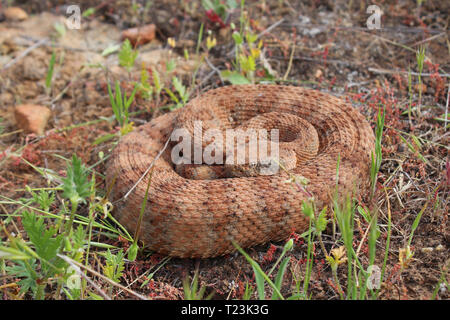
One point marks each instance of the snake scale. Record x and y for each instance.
(188, 216)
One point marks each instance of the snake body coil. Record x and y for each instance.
(195, 216)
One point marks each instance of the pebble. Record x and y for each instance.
(418, 86)
(318, 74)
(15, 14)
(141, 35)
(32, 118)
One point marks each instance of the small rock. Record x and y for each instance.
(141, 35)
(401, 147)
(15, 14)
(304, 19)
(311, 32)
(32, 118)
(318, 74)
(352, 75)
(418, 86)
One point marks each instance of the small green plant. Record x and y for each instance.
(442, 283)
(415, 147)
(317, 224)
(377, 157)
(344, 213)
(149, 89)
(132, 251)
(49, 77)
(410, 95)
(192, 292)
(115, 264)
(45, 244)
(183, 94)
(127, 55)
(416, 223)
(52, 234)
(218, 11)
(36, 261)
(120, 105)
(44, 199)
(77, 188)
(88, 12)
(2, 127)
(357, 277)
(246, 53)
(406, 254)
(144, 87)
(156, 83)
(261, 277)
(248, 291)
(171, 65)
(110, 50)
(76, 184)
(60, 29)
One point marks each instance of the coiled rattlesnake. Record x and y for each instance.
(191, 215)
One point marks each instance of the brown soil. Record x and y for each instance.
(334, 52)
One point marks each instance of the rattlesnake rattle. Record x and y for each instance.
(186, 217)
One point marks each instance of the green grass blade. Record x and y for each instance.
(258, 271)
(48, 79)
(280, 275)
(416, 223)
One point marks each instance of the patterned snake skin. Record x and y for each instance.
(198, 216)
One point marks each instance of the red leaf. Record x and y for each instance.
(214, 17)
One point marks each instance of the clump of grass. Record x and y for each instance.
(120, 104)
(150, 90)
(377, 157)
(2, 127)
(49, 77)
(76, 186)
(261, 277)
(410, 96)
(415, 147)
(344, 209)
(317, 224)
(183, 94)
(442, 283)
(359, 280)
(420, 58)
(55, 234)
(45, 243)
(405, 253)
(247, 51)
(132, 251)
(192, 292)
(36, 261)
(127, 56)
